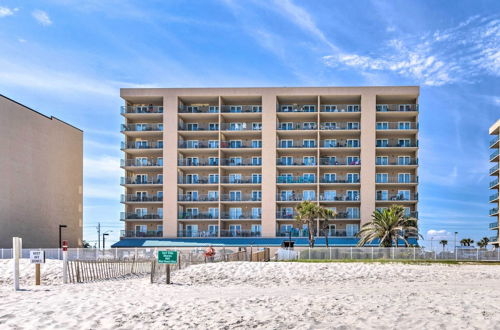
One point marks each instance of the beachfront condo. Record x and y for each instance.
(494, 172)
(41, 178)
(235, 162)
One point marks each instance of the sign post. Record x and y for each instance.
(37, 258)
(168, 258)
(65, 261)
(17, 245)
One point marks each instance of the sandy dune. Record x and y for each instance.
(269, 296)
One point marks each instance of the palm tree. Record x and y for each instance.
(483, 242)
(307, 213)
(326, 215)
(466, 241)
(388, 226)
(443, 242)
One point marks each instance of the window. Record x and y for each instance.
(352, 177)
(382, 143)
(309, 177)
(257, 126)
(141, 144)
(352, 212)
(192, 144)
(159, 195)
(191, 230)
(235, 144)
(235, 178)
(286, 108)
(309, 195)
(309, 143)
(256, 108)
(213, 195)
(329, 125)
(404, 125)
(353, 195)
(330, 177)
(160, 161)
(382, 195)
(256, 195)
(256, 160)
(159, 179)
(192, 195)
(256, 178)
(141, 195)
(213, 178)
(382, 107)
(404, 195)
(192, 178)
(404, 177)
(235, 196)
(141, 229)
(404, 142)
(160, 212)
(286, 144)
(235, 161)
(287, 195)
(382, 160)
(236, 126)
(405, 107)
(213, 230)
(192, 212)
(192, 109)
(256, 229)
(213, 161)
(213, 144)
(235, 230)
(309, 108)
(330, 108)
(213, 109)
(286, 126)
(351, 229)
(286, 160)
(407, 211)
(141, 212)
(235, 108)
(256, 214)
(141, 161)
(353, 108)
(213, 126)
(353, 160)
(309, 125)
(141, 179)
(353, 143)
(235, 212)
(309, 160)
(192, 126)
(256, 143)
(329, 143)
(213, 212)
(404, 160)
(382, 178)
(382, 125)
(329, 195)
(286, 228)
(353, 125)
(159, 144)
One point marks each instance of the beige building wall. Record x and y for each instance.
(163, 105)
(42, 178)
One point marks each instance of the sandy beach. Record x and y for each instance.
(272, 295)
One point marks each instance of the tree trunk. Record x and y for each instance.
(311, 233)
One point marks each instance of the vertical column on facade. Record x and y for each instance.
(219, 213)
(269, 123)
(318, 144)
(170, 171)
(368, 155)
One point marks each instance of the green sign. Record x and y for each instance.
(168, 257)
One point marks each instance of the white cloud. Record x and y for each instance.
(438, 234)
(457, 54)
(42, 17)
(21, 40)
(5, 11)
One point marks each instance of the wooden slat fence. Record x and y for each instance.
(83, 271)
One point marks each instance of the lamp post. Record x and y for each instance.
(60, 230)
(104, 240)
(455, 242)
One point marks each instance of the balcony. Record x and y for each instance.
(340, 144)
(141, 145)
(142, 128)
(240, 198)
(140, 181)
(142, 109)
(399, 162)
(198, 180)
(494, 225)
(296, 232)
(198, 145)
(241, 216)
(397, 107)
(340, 108)
(286, 179)
(197, 216)
(493, 239)
(400, 126)
(401, 144)
(242, 161)
(494, 184)
(141, 163)
(240, 233)
(241, 126)
(396, 198)
(136, 216)
(241, 179)
(140, 234)
(494, 198)
(297, 108)
(307, 126)
(194, 127)
(239, 145)
(340, 126)
(197, 233)
(340, 162)
(286, 215)
(295, 198)
(494, 211)
(339, 198)
(494, 142)
(241, 108)
(198, 162)
(494, 170)
(340, 179)
(141, 198)
(397, 180)
(199, 109)
(295, 144)
(197, 198)
(494, 156)
(280, 162)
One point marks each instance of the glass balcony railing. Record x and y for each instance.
(294, 163)
(237, 145)
(295, 197)
(140, 162)
(493, 197)
(198, 127)
(494, 140)
(297, 126)
(494, 155)
(140, 234)
(140, 216)
(142, 145)
(340, 144)
(340, 126)
(197, 198)
(493, 169)
(240, 233)
(296, 144)
(256, 161)
(494, 211)
(284, 214)
(399, 162)
(494, 239)
(142, 109)
(396, 126)
(141, 198)
(241, 108)
(494, 225)
(396, 107)
(493, 183)
(140, 180)
(340, 108)
(397, 197)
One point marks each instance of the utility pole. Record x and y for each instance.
(98, 235)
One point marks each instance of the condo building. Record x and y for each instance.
(494, 185)
(41, 180)
(235, 162)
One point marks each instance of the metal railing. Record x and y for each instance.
(197, 233)
(296, 144)
(243, 179)
(240, 126)
(241, 162)
(339, 198)
(135, 216)
(493, 197)
(396, 126)
(494, 239)
(241, 108)
(340, 108)
(295, 198)
(411, 144)
(198, 145)
(396, 107)
(197, 198)
(292, 163)
(295, 179)
(286, 215)
(241, 198)
(338, 144)
(194, 216)
(139, 181)
(493, 183)
(198, 127)
(229, 145)
(494, 154)
(141, 145)
(139, 234)
(296, 108)
(240, 233)
(411, 161)
(399, 197)
(296, 232)
(335, 161)
(140, 163)
(395, 179)
(340, 126)
(494, 169)
(242, 216)
(135, 198)
(199, 109)
(493, 225)
(198, 162)
(494, 141)
(141, 128)
(296, 126)
(142, 109)
(199, 180)
(494, 211)
(340, 179)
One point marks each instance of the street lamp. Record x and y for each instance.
(455, 242)
(60, 229)
(104, 240)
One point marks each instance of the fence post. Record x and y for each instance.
(393, 254)
(414, 253)
(116, 253)
(351, 252)
(58, 254)
(477, 254)
(435, 255)
(77, 253)
(498, 254)
(309, 253)
(17, 245)
(456, 253)
(372, 252)
(330, 253)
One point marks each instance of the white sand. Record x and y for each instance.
(270, 296)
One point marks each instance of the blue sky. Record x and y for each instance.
(69, 58)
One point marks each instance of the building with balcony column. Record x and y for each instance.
(494, 185)
(216, 163)
(41, 180)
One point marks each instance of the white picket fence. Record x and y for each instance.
(88, 254)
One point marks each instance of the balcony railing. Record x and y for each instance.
(136, 198)
(296, 232)
(139, 181)
(142, 145)
(142, 127)
(142, 109)
(494, 211)
(396, 126)
(292, 163)
(283, 144)
(493, 238)
(340, 198)
(195, 216)
(494, 154)
(242, 162)
(340, 126)
(140, 162)
(137, 234)
(297, 108)
(493, 169)
(197, 233)
(296, 126)
(241, 198)
(241, 127)
(295, 179)
(396, 107)
(198, 162)
(402, 162)
(411, 144)
(229, 145)
(340, 108)
(197, 198)
(334, 161)
(494, 197)
(199, 180)
(199, 109)
(199, 127)
(340, 179)
(242, 179)
(240, 233)
(398, 197)
(494, 225)
(242, 216)
(493, 183)
(395, 179)
(494, 140)
(295, 198)
(241, 108)
(348, 144)
(198, 145)
(285, 215)
(135, 216)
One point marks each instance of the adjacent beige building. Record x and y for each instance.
(494, 185)
(234, 162)
(41, 178)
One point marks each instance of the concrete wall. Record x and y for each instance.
(41, 178)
